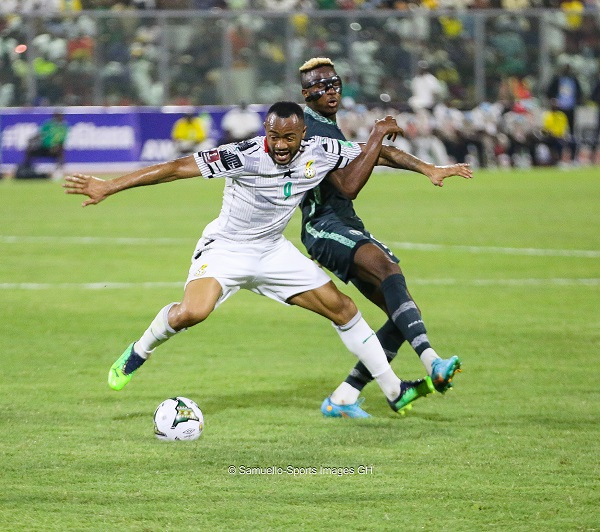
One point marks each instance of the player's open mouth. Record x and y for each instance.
(282, 156)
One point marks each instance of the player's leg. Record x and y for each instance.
(360, 340)
(333, 243)
(374, 266)
(199, 300)
(59, 154)
(390, 339)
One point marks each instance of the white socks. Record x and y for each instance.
(345, 394)
(360, 340)
(427, 357)
(158, 333)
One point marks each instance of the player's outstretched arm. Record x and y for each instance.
(351, 179)
(395, 158)
(97, 189)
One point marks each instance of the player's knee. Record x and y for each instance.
(183, 316)
(346, 310)
(383, 269)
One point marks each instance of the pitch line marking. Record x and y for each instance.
(91, 240)
(584, 253)
(425, 282)
(416, 246)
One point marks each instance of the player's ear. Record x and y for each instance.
(304, 93)
(304, 132)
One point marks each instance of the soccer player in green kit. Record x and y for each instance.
(336, 238)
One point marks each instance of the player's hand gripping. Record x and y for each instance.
(388, 127)
(437, 174)
(94, 188)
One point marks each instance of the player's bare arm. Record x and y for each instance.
(395, 158)
(97, 189)
(351, 179)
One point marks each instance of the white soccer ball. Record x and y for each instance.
(178, 418)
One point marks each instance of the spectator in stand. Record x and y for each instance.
(428, 147)
(49, 142)
(188, 133)
(427, 90)
(449, 122)
(555, 131)
(514, 88)
(240, 123)
(566, 89)
(518, 126)
(596, 99)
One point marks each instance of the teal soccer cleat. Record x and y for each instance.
(354, 410)
(442, 372)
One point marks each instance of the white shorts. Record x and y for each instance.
(280, 271)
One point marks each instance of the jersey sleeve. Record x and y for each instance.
(338, 153)
(224, 161)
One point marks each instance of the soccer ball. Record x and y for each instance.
(178, 418)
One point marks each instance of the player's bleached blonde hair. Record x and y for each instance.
(316, 62)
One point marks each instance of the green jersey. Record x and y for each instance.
(325, 200)
(53, 133)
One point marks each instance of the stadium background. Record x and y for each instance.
(121, 57)
(505, 267)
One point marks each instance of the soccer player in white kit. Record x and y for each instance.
(244, 247)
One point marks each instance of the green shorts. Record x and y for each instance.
(333, 243)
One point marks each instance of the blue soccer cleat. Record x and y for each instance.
(354, 410)
(442, 372)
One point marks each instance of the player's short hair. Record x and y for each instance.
(286, 109)
(316, 62)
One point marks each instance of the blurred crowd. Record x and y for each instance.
(212, 59)
(13, 6)
(519, 130)
(125, 55)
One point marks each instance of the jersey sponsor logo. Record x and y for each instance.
(230, 160)
(309, 171)
(211, 156)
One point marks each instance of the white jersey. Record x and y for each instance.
(260, 196)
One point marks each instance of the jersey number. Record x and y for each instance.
(287, 189)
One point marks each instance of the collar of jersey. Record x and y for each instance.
(319, 117)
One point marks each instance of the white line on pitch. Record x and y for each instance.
(510, 282)
(86, 286)
(585, 253)
(92, 240)
(582, 253)
(447, 282)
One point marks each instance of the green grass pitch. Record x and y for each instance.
(505, 268)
